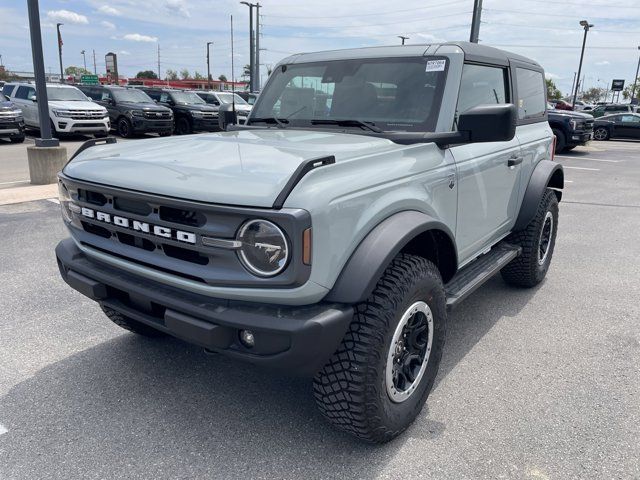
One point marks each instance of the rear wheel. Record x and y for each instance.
(561, 141)
(130, 324)
(537, 242)
(601, 133)
(378, 380)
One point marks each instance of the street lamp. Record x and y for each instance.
(586, 25)
(635, 79)
(84, 59)
(208, 67)
(403, 38)
(58, 25)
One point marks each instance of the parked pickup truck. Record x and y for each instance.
(370, 191)
(570, 128)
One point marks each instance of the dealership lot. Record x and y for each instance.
(541, 383)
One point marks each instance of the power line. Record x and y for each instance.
(537, 27)
(544, 14)
(606, 5)
(389, 12)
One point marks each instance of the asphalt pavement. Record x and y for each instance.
(534, 384)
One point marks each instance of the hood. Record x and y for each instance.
(74, 105)
(4, 106)
(193, 106)
(143, 106)
(247, 168)
(571, 114)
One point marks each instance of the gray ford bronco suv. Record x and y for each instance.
(370, 191)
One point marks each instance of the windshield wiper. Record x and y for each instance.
(279, 121)
(347, 123)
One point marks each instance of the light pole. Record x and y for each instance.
(208, 67)
(586, 25)
(403, 38)
(475, 21)
(84, 59)
(635, 80)
(58, 25)
(256, 82)
(251, 45)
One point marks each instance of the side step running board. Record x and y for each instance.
(479, 271)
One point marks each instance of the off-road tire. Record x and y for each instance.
(130, 324)
(124, 127)
(350, 390)
(525, 271)
(569, 148)
(561, 141)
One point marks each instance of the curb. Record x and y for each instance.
(29, 193)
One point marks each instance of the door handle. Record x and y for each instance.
(513, 161)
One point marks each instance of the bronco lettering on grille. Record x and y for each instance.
(136, 225)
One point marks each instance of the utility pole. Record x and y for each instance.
(256, 81)
(403, 38)
(586, 25)
(251, 46)
(84, 59)
(158, 61)
(475, 21)
(45, 140)
(58, 25)
(95, 67)
(208, 67)
(635, 79)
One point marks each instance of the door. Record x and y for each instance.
(24, 99)
(627, 126)
(488, 173)
(105, 98)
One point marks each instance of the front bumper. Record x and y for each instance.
(298, 340)
(206, 124)
(11, 129)
(580, 137)
(144, 125)
(69, 125)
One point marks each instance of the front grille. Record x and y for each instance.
(86, 114)
(588, 125)
(7, 119)
(157, 115)
(208, 115)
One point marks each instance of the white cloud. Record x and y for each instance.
(604, 62)
(124, 52)
(109, 10)
(108, 25)
(178, 6)
(136, 37)
(551, 75)
(67, 16)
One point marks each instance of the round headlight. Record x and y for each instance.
(264, 251)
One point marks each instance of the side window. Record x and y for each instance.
(105, 96)
(92, 93)
(630, 118)
(6, 90)
(24, 92)
(164, 97)
(481, 85)
(153, 95)
(531, 93)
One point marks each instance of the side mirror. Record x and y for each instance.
(489, 123)
(33, 98)
(226, 117)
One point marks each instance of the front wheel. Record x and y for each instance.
(183, 127)
(125, 129)
(601, 133)
(561, 141)
(537, 241)
(19, 139)
(378, 380)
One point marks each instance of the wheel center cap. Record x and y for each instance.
(399, 348)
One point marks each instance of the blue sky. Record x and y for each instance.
(547, 31)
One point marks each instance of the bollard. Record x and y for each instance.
(45, 163)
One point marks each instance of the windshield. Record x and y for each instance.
(229, 98)
(188, 98)
(400, 94)
(66, 94)
(130, 95)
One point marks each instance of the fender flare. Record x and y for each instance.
(376, 251)
(544, 175)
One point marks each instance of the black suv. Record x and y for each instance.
(191, 112)
(131, 111)
(570, 128)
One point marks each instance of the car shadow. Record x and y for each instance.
(133, 407)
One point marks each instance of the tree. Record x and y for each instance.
(76, 71)
(552, 91)
(594, 94)
(147, 74)
(223, 78)
(184, 74)
(626, 93)
(171, 75)
(198, 76)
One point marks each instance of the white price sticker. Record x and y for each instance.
(435, 65)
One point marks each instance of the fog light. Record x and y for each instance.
(247, 339)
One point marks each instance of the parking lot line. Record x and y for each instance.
(3, 429)
(582, 168)
(14, 182)
(589, 158)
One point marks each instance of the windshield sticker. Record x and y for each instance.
(435, 65)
